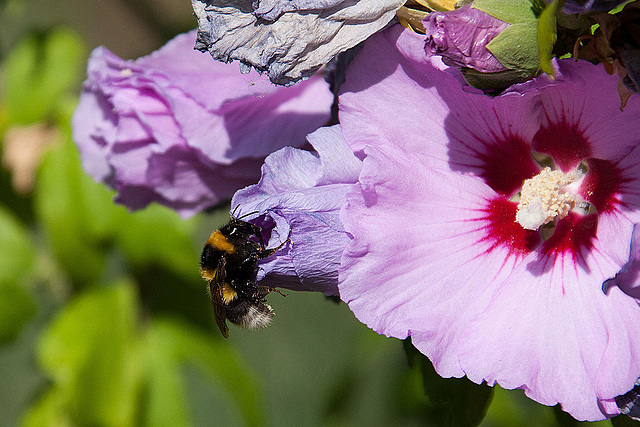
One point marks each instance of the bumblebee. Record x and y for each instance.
(229, 265)
(629, 403)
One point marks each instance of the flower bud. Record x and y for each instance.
(493, 48)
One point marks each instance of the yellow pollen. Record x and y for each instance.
(544, 198)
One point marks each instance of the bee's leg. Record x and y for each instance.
(265, 290)
(279, 291)
(268, 252)
(258, 233)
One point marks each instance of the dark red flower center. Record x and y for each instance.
(508, 163)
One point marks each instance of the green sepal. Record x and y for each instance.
(498, 80)
(516, 47)
(512, 11)
(547, 35)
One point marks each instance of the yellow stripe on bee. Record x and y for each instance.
(228, 293)
(208, 274)
(219, 241)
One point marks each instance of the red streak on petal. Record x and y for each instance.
(601, 185)
(507, 163)
(564, 142)
(502, 230)
(574, 235)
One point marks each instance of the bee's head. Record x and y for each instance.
(242, 229)
(258, 228)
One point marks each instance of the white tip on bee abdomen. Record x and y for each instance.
(258, 316)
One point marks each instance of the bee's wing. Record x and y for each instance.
(215, 290)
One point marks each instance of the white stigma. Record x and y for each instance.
(545, 198)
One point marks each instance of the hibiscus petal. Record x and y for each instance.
(294, 46)
(551, 330)
(541, 323)
(299, 197)
(379, 73)
(415, 264)
(628, 278)
(450, 268)
(272, 9)
(395, 96)
(573, 122)
(183, 130)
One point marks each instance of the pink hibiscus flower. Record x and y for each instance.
(439, 251)
(180, 129)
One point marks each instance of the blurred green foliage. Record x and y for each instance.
(40, 73)
(17, 256)
(105, 322)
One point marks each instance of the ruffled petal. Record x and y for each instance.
(461, 36)
(299, 198)
(295, 45)
(272, 9)
(182, 130)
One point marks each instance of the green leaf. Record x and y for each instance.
(48, 411)
(514, 409)
(624, 421)
(16, 263)
(547, 36)
(173, 344)
(156, 235)
(165, 400)
(78, 214)
(16, 308)
(21, 378)
(4, 118)
(91, 354)
(39, 72)
(457, 401)
(16, 249)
